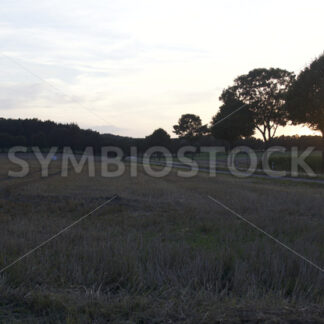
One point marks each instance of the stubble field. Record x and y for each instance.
(161, 252)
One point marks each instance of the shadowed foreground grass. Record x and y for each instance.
(162, 252)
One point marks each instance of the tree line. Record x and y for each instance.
(262, 100)
(259, 101)
(45, 134)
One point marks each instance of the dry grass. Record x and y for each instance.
(162, 252)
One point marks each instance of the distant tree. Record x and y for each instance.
(230, 125)
(305, 99)
(263, 90)
(190, 127)
(158, 138)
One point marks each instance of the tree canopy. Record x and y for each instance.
(190, 127)
(232, 121)
(158, 138)
(263, 90)
(305, 99)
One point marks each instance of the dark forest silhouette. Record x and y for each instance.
(45, 134)
(271, 98)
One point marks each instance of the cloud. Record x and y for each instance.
(143, 63)
(14, 96)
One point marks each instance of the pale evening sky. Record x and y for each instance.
(139, 65)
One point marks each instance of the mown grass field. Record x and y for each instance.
(162, 252)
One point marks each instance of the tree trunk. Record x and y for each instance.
(269, 133)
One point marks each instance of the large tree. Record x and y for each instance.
(305, 99)
(158, 138)
(232, 121)
(263, 90)
(190, 127)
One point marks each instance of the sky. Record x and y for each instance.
(129, 67)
